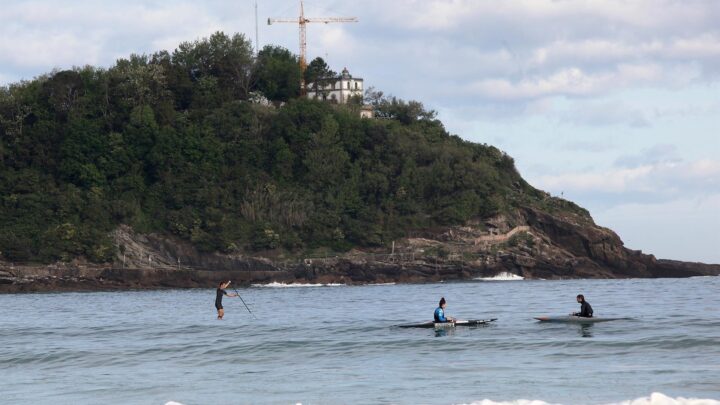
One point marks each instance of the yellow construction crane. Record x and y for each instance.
(302, 21)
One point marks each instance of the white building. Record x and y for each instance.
(338, 90)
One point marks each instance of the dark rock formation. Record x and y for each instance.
(534, 244)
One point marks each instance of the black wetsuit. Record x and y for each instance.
(218, 298)
(586, 310)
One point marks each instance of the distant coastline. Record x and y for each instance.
(83, 277)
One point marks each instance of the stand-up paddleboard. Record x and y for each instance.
(442, 325)
(575, 319)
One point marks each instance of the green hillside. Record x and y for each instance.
(172, 143)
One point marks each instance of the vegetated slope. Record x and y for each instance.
(209, 157)
(181, 144)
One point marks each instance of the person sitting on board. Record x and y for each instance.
(586, 310)
(219, 296)
(440, 313)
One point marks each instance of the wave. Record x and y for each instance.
(502, 276)
(275, 284)
(655, 398)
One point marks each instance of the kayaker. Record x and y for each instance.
(219, 296)
(440, 312)
(586, 310)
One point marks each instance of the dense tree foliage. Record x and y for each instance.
(318, 75)
(278, 73)
(170, 143)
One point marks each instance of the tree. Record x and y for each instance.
(168, 143)
(228, 60)
(277, 74)
(317, 75)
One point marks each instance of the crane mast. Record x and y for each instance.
(302, 22)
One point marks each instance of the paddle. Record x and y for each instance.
(243, 301)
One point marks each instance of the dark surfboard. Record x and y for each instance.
(575, 319)
(441, 325)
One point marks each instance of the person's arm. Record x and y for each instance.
(227, 294)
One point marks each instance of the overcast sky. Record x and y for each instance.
(613, 104)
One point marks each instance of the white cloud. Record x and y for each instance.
(681, 229)
(613, 50)
(38, 35)
(661, 153)
(574, 82)
(605, 113)
(660, 179)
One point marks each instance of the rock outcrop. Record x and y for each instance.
(531, 243)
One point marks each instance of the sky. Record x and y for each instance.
(613, 104)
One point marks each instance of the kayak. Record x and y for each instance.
(574, 319)
(442, 325)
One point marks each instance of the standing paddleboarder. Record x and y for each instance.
(219, 296)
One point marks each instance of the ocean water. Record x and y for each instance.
(337, 345)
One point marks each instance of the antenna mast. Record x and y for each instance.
(257, 44)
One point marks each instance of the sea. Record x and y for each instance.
(338, 344)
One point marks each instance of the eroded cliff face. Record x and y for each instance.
(598, 252)
(529, 242)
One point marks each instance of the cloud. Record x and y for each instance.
(660, 181)
(683, 229)
(661, 153)
(38, 36)
(705, 46)
(604, 114)
(574, 82)
(585, 146)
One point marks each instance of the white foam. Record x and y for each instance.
(275, 284)
(502, 276)
(655, 398)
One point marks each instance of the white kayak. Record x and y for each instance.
(575, 319)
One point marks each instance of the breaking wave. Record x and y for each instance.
(502, 276)
(275, 284)
(655, 398)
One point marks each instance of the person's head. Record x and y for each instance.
(580, 298)
(442, 303)
(224, 284)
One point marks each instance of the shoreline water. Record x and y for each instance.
(656, 398)
(141, 347)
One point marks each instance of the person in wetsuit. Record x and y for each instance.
(586, 310)
(219, 296)
(440, 313)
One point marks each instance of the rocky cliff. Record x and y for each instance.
(530, 243)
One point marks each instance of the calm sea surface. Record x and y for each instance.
(337, 345)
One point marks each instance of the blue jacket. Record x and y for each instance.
(440, 315)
